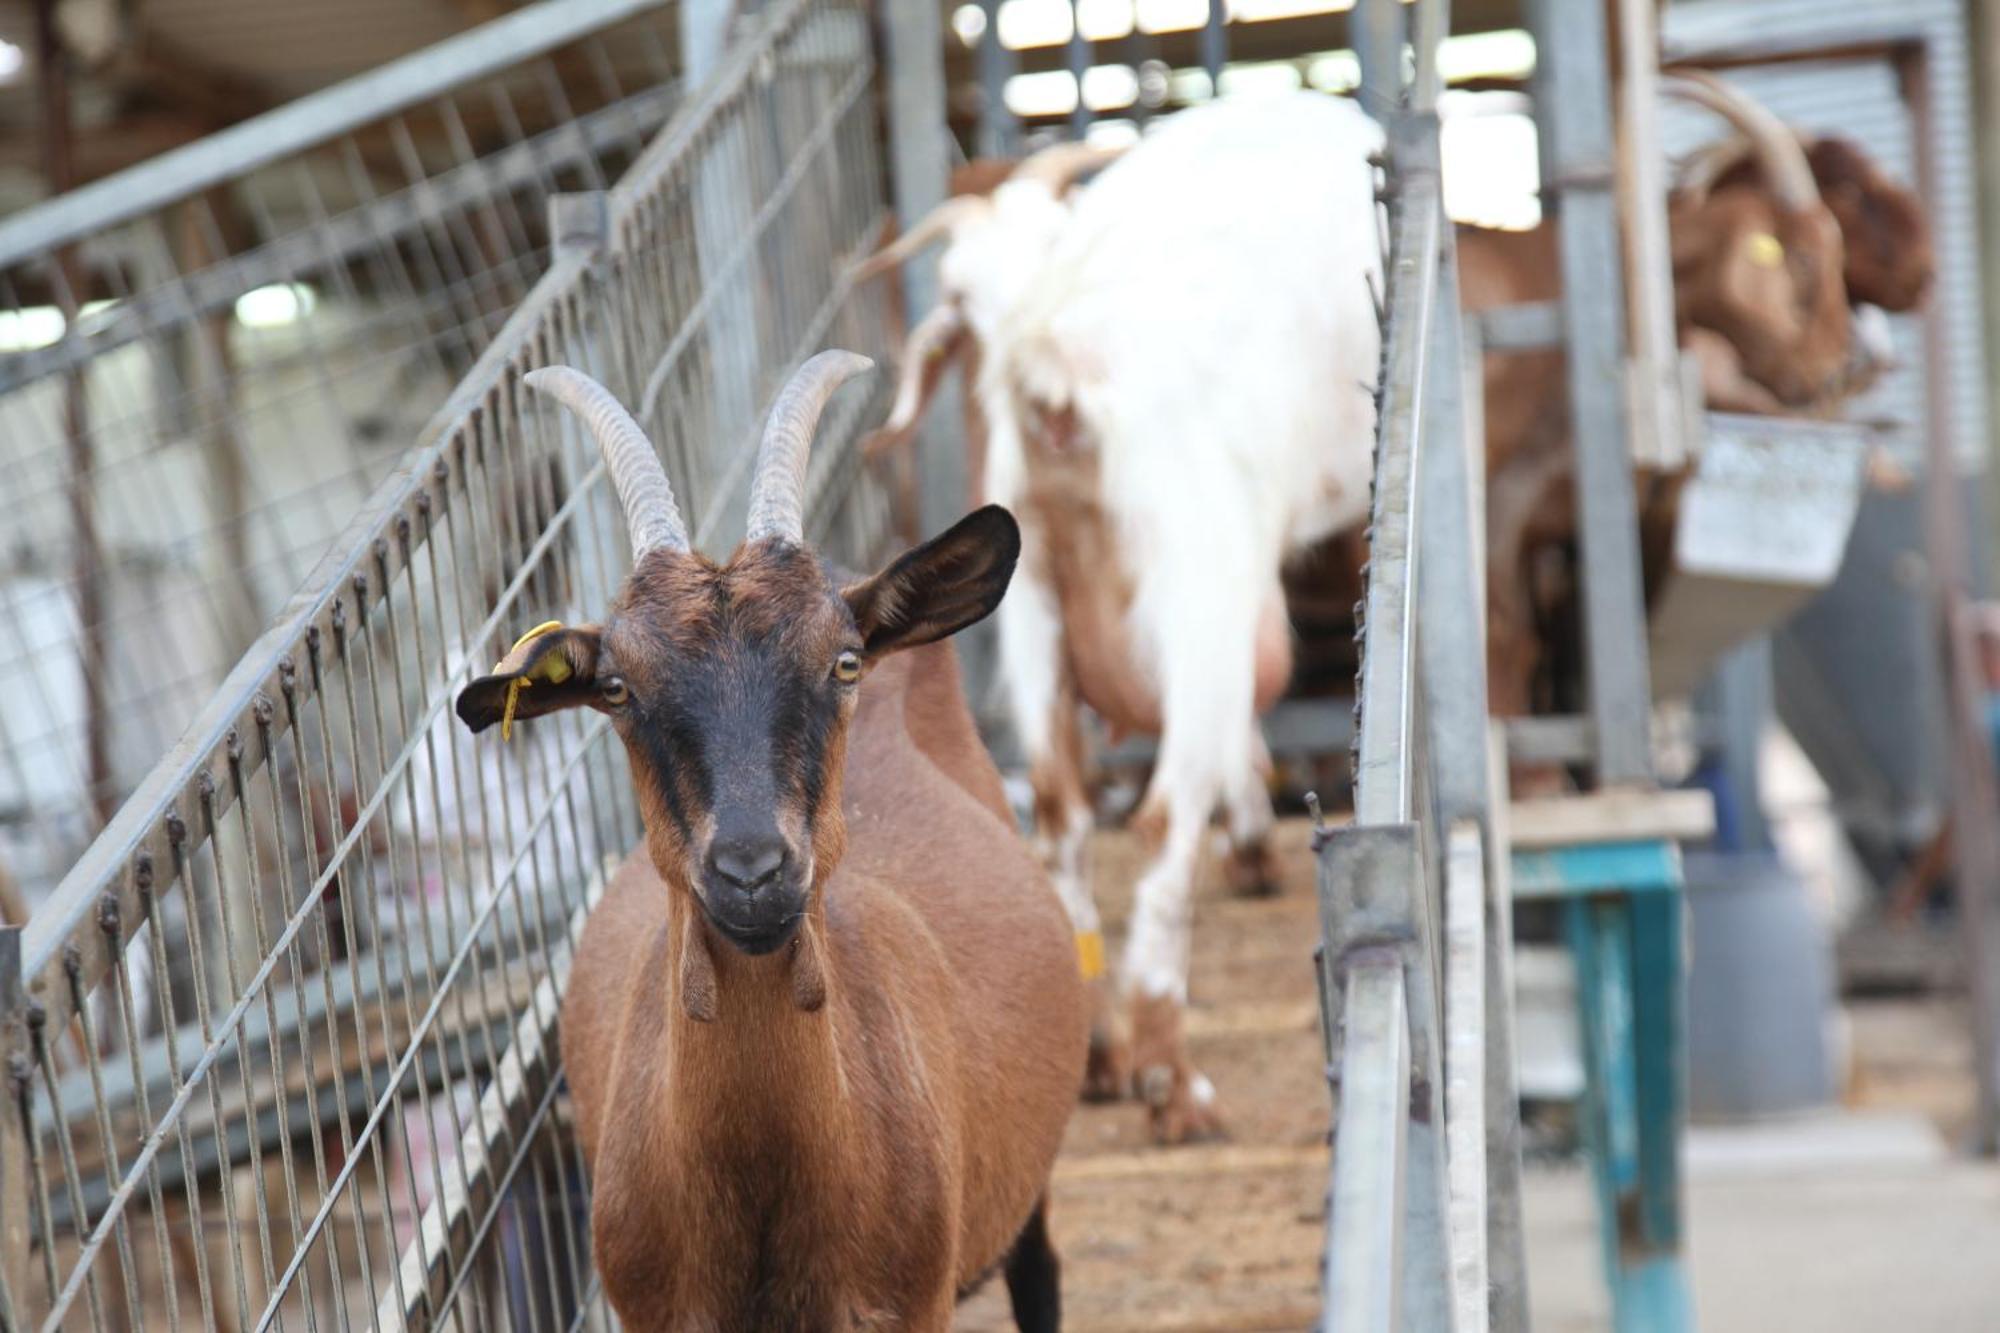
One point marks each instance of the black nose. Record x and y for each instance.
(747, 863)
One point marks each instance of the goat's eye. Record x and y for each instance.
(847, 668)
(612, 690)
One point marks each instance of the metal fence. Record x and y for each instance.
(208, 362)
(278, 1049)
(1424, 1229)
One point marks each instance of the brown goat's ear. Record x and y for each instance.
(548, 668)
(937, 589)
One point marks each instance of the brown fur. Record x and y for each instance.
(1890, 257)
(846, 1132)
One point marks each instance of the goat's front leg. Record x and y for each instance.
(1042, 699)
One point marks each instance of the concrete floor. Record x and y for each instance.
(1849, 1222)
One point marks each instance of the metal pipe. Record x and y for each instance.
(1573, 111)
(1078, 56)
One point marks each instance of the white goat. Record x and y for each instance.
(1177, 395)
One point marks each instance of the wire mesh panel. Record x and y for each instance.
(208, 362)
(280, 1047)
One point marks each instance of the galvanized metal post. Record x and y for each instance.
(1078, 56)
(999, 131)
(722, 211)
(1573, 112)
(1380, 30)
(1215, 44)
(912, 42)
(1737, 700)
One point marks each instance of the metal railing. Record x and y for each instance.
(278, 1051)
(1424, 1227)
(208, 362)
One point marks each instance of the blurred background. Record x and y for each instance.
(265, 264)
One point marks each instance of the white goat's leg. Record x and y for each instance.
(1199, 755)
(1042, 700)
(1250, 867)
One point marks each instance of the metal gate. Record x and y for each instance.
(1415, 977)
(208, 362)
(278, 1049)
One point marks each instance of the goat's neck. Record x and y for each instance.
(753, 1043)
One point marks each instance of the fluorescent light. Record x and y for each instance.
(274, 306)
(31, 327)
(12, 61)
(969, 22)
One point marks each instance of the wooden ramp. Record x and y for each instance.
(1220, 1238)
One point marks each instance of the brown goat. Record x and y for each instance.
(1738, 313)
(823, 1036)
(1890, 256)
(1761, 266)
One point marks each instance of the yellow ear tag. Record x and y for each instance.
(555, 672)
(1090, 954)
(1765, 249)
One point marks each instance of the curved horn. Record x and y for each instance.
(1777, 147)
(931, 337)
(927, 230)
(1700, 170)
(1059, 164)
(778, 488)
(644, 493)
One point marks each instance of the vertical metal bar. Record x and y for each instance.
(999, 130)
(1506, 1244)
(1657, 430)
(1972, 782)
(1380, 29)
(1737, 697)
(1451, 649)
(1078, 55)
(1215, 44)
(721, 205)
(920, 177)
(1573, 112)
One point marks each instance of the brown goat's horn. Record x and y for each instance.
(1777, 147)
(645, 494)
(1700, 170)
(1059, 164)
(932, 227)
(778, 488)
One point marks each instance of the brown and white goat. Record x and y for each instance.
(823, 1034)
(1766, 240)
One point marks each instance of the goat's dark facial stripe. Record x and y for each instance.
(734, 708)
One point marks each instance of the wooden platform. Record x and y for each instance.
(1221, 1238)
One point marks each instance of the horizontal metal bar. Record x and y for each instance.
(313, 119)
(1530, 326)
(1364, 1236)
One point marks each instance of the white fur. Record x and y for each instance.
(1207, 312)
